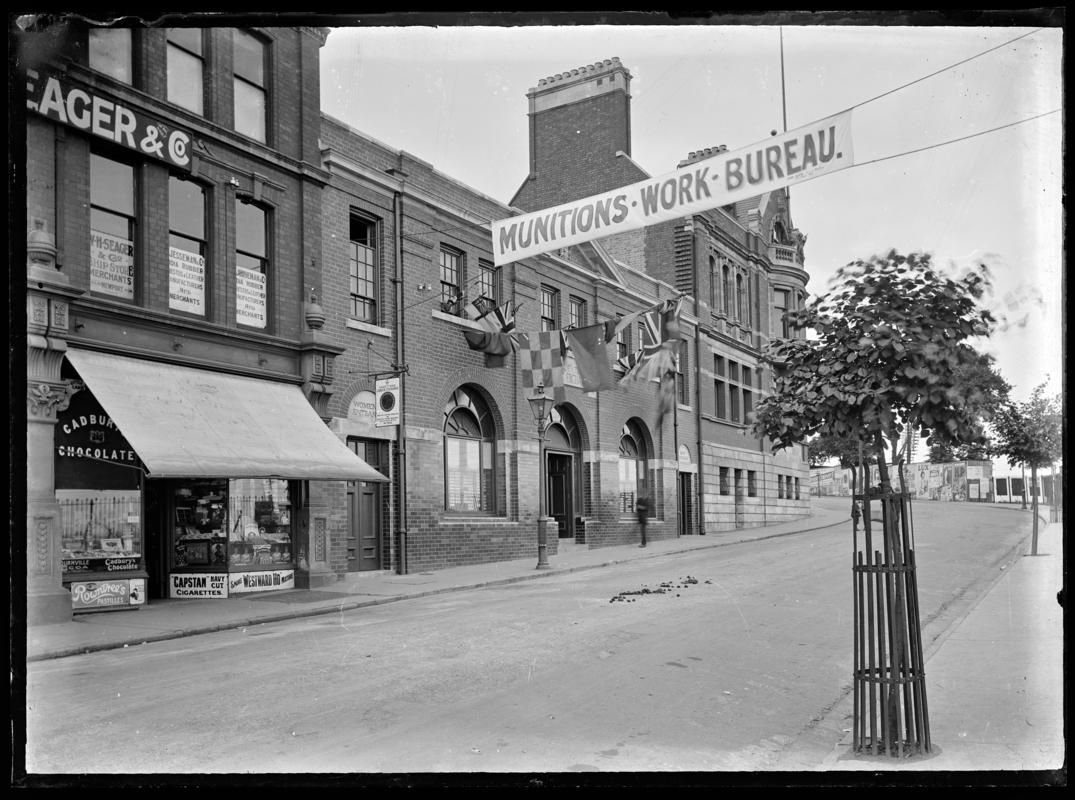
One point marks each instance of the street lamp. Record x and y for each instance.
(541, 406)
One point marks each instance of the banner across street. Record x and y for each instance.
(783, 160)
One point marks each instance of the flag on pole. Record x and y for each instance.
(590, 349)
(542, 361)
(497, 336)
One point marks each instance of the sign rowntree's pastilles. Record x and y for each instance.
(58, 100)
(789, 158)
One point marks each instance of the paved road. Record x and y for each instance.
(713, 660)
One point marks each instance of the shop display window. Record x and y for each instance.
(201, 524)
(101, 531)
(235, 525)
(260, 530)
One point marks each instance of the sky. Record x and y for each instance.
(455, 96)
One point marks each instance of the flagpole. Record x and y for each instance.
(783, 94)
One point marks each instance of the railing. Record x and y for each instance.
(86, 521)
(784, 254)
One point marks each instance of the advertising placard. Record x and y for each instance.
(111, 265)
(197, 586)
(271, 580)
(387, 402)
(106, 594)
(186, 281)
(249, 297)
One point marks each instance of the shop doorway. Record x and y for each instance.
(364, 544)
(156, 537)
(560, 468)
(686, 504)
(363, 526)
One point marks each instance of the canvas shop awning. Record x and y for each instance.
(187, 422)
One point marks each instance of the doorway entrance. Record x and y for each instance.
(686, 504)
(364, 502)
(560, 468)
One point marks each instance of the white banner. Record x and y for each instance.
(387, 402)
(249, 297)
(783, 160)
(111, 265)
(186, 281)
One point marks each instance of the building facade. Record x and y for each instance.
(176, 368)
(251, 359)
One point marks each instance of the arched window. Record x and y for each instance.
(632, 467)
(469, 454)
(740, 300)
(712, 283)
(727, 275)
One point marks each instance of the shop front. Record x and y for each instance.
(179, 482)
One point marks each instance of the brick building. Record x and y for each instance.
(741, 267)
(176, 367)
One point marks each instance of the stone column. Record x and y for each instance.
(47, 306)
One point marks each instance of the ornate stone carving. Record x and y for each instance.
(45, 399)
(43, 545)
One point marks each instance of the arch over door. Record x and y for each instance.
(563, 459)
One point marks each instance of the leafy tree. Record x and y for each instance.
(891, 338)
(1031, 433)
(826, 447)
(942, 453)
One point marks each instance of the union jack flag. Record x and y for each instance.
(660, 342)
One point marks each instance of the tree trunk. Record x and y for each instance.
(1034, 507)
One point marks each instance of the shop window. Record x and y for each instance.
(249, 85)
(251, 264)
(187, 246)
(576, 312)
(362, 266)
(451, 280)
(113, 227)
(725, 484)
(632, 467)
(186, 69)
(469, 454)
(488, 287)
(238, 525)
(550, 309)
(111, 52)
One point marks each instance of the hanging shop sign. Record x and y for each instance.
(387, 402)
(197, 586)
(108, 594)
(96, 114)
(270, 580)
(727, 177)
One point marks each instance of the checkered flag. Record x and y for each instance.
(542, 361)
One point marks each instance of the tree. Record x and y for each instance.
(942, 453)
(891, 339)
(891, 344)
(1031, 433)
(826, 447)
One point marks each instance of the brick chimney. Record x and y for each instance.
(579, 121)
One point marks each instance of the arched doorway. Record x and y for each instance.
(563, 459)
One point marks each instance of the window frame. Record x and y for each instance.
(264, 261)
(631, 439)
(451, 291)
(489, 285)
(131, 217)
(356, 299)
(100, 53)
(196, 57)
(467, 401)
(263, 88)
(203, 241)
(576, 312)
(549, 298)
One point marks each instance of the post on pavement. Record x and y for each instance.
(541, 406)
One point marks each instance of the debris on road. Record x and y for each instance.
(663, 588)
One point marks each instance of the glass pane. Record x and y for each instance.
(111, 185)
(186, 208)
(260, 522)
(110, 52)
(249, 54)
(249, 110)
(185, 87)
(99, 525)
(249, 229)
(187, 38)
(462, 474)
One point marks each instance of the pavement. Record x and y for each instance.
(1005, 712)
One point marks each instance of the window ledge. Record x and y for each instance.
(452, 519)
(452, 318)
(368, 328)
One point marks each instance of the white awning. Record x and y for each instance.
(186, 422)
